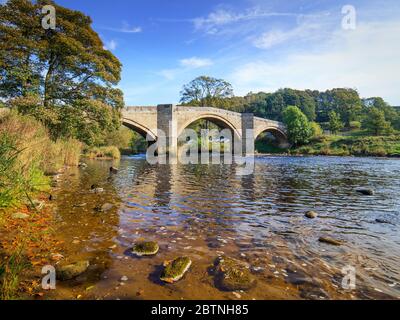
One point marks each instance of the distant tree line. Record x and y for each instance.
(335, 110)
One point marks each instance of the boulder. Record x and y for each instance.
(233, 275)
(311, 215)
(71, 271)
(365, 191)
(114, 170)
(176, 269)
(145, 248)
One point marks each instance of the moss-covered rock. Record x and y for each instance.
(145, 248)
(232, 275)
(71, 271)
(175, 270)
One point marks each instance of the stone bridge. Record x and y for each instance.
(173, 120)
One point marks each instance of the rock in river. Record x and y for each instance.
(365, 191)
(114, 170)
(176, 269)
(311, 215)
(233, 275)
(145, 248)
(330, 241)
(71, 271)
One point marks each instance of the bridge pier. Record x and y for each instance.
(247, 143)
(167, 124)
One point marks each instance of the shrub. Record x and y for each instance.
(298, 126)
(316, 130)
(355, 125)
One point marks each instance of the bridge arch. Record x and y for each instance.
(139, 128)
(278, 133)
(220, 121)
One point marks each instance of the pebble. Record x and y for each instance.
(124, 278)
(237, 295)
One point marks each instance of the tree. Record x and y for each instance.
(206, 91)
(390, 113)
(335, 123)
(345, 102)
(376, 123)
(64, 77)
(298, 126)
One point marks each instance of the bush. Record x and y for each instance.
(298, 126)
(355, 125)
(316, 130)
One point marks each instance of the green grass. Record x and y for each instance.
(356, 143)
(10, 269)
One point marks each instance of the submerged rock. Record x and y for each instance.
(82, 165)
(382, 221)
(145, 248)
(97, 190)
(330, 241)
(233, 275)
(105, 207)
(311, 215)
(71, 271)
(176, 269)
(114, 170)
(366, 191)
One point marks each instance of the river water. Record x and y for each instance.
(203, 211)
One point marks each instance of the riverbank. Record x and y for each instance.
(353, 144)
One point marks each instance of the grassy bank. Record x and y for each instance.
(28, 156)
(355, 144)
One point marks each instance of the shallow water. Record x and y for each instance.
(204, 211)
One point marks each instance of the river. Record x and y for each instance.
(205, 211)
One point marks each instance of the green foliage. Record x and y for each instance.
(316, 130)
(298, 126)
(206, 91)
(63, 77)
(335, 122)
(376, 123)
(355, 125)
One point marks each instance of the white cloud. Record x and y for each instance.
(186, 65)
(366, 59)
(126, 28)
(110, 45)
(275, 37)
(216, 20)
(195, 62)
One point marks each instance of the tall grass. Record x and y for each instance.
(27, 154)
(10, 269)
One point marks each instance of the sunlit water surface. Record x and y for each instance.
(205, 211)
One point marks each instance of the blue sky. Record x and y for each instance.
(257, 45)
